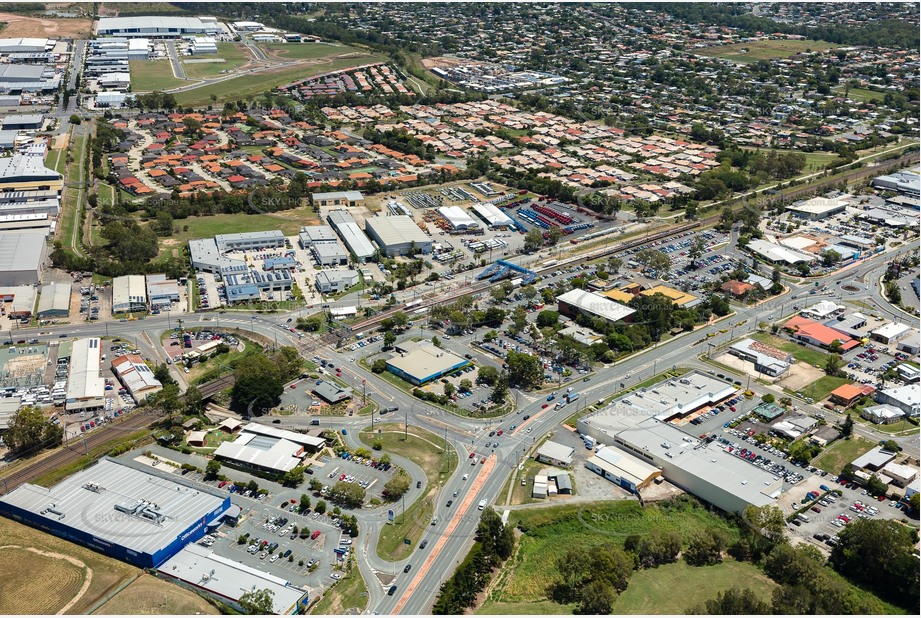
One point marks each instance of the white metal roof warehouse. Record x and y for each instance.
(154, 26)
(21, 256)
(397, 234)
(119, 511)
(268, 448)
(228, 580)
(85, 387)
(492, 215)
(593, 304)
(351, 234)
(54, 300)
(457, 217)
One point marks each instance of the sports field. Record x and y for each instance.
(61, 577)
(254, 84)
(151, 75)
(763, 50)
(305, 51)
(233, 55)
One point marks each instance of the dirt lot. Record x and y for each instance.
(148, 595)
(43, 27)
(801, 375)
(63, 577)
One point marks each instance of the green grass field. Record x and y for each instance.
(537, 608)
(842, 453)
(896, 427)
(430, 453)
(860, 94)
(533, 569)
(799, 352)
(820, 389)
(257, 83)
(150, 75)
(675, 588)
(349, 593)
(306, 51)
(814, 160)
(233, 54)
(764, 50)
(289, 222)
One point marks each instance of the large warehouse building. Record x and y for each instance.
(22, 256)
(421, 362)
(156, 26)
(268, 449)
(121, 512)
(356, 241)
(129, 293)
(85, 385)
(575, 302)
(398, 235)
(54, 301)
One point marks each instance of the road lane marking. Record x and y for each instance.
(478, 482)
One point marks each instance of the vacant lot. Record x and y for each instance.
(799, 352)
(306, 51)
(45, 27)
(59, 573)
(820, 389)
(234, 55)
(137, 8)
(151, 75)
(148, 595)
(289, 222)
(842, 453)
(438, 460)
(533, 570)
(675, 588)
(347, 596)
(764, 50)
(255, 84)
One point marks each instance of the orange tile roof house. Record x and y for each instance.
(737, 288)
(848, 394)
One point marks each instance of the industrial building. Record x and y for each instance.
(115, 81)
(890, 333)
(203, 45)
(250, 241)
(458, 218)
(882, 414)
(817, 208)
(85, 385)
(492, 216)
(421, 362)
(622, 469)
(129, 293)
(28, 173)
(24, 45)
(162, 292)
(576, 302)
(204, 256)
(203, 571)
(22, 257)
(700, 467)
(135, 376)
(19, 78)
(330, 392)
(767, 360)
(904, 182)
(335, 281)
(555, 454)
(155, 26)
(21, 299)
(354, 239)
(23, 122)
(329, 254)
(775, 253)
(120, 512)
(905, 398)
(398, 235)
(268, 449)
(337, 198)
(54, 301)
(818, 334)
(316, 234)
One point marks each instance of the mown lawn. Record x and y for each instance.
(150, 75)
(860, 94)
(799, 352)
(820, 389)
(842, 453)
(306, 51)
(549, 531)
(289, 222)
(763, 50)
(233, 55)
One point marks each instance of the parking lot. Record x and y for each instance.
(355, 470)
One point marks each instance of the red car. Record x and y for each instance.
(315, 535)
(221, 484)
(732, 408)
(472, 455)
(499, 433)
(544, 406)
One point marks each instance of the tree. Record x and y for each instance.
(74, 119)
(465, 386)
(597, 598)
(529, 292)
(396, 486)
(257, 384)
(733, 602)
(29, 432)
(449, 389)
(389, 339)
(212, 469)
(500, 390)
(293, 477)
(847, 428)
(768, 398)
(893, 293)
(892, 446)
(436, 341)
(379, 365)
(161, 373)
(554, 234)
(706, 548)
(830, 258)
(289, 363)
(833, 364)
(533, 240)
(321, 507)
(488, 375)
(193, 400)
(548, 318)
(524, 370)
(878, 553)
(258, 601)
(351, 495)
(164, 223)
(304, 503)
(876, 487)
(653, 260)
(697, 249)
(658, 547)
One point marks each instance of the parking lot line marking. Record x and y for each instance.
(478, 481)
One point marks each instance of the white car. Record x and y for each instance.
(273, 558)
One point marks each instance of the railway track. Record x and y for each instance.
(79, 447)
